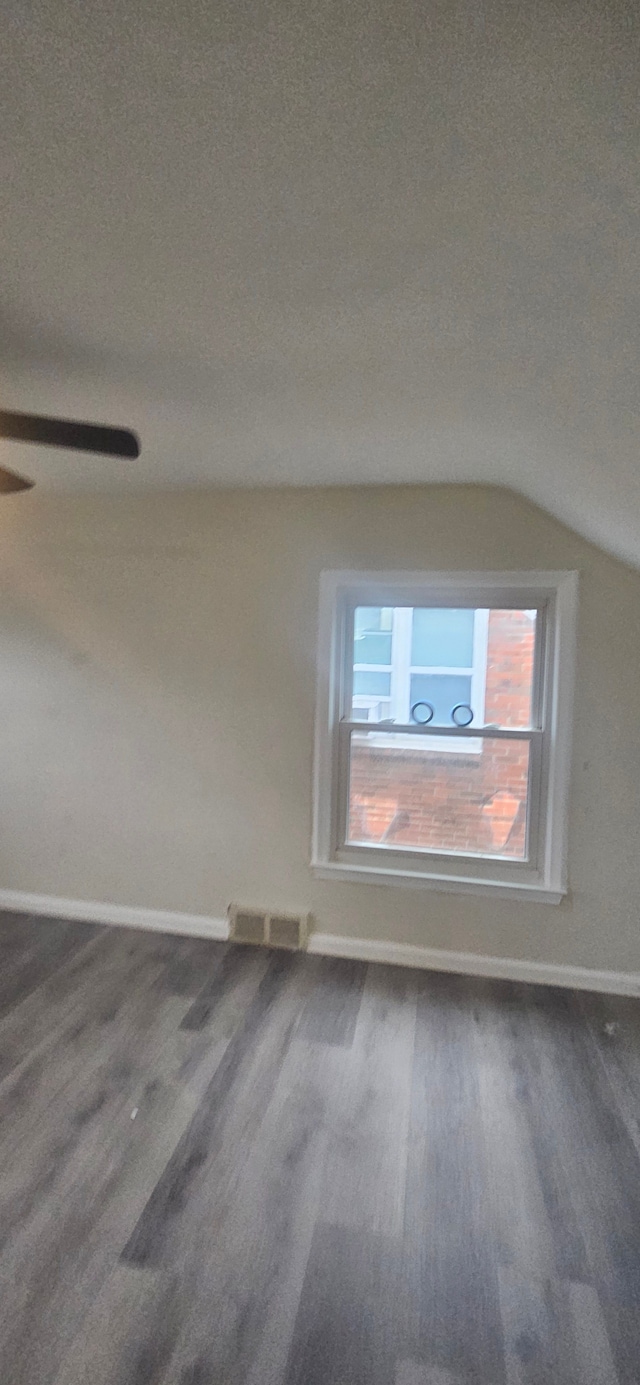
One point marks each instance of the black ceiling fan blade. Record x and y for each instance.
(10, 481)
(62, 432)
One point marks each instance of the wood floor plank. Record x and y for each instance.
(542, 1108)
(331, 1012)
(193, 962)
(614, 1025)
(537, 1331)
(529, 1199)
(346, 1328)
(31, 950)
(451, 1284)
(127, 1336)
(590, 1346)
(232, 961)
(622, 1323)
(247, 1245)
(365, 1179)
(600, 1160)
(89, 1037)
(412, 1373)
(167, 1105)
(555, 1334)
(204, 1046)
(80, 993)
(95, 1167)
(252, 1060)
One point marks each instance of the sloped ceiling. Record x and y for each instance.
(319, 241)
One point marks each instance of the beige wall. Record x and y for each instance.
(157, 689)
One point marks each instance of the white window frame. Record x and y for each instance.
(543, 874)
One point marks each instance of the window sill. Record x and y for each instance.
(456, 884)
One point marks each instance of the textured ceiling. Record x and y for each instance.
(314, 241)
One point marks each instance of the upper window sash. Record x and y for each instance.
(400, 669)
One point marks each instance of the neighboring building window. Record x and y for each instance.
(443, 728)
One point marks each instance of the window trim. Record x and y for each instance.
(552, 593)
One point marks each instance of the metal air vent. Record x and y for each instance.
(271, 930)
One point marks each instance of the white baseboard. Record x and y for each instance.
(90, 911)
(475, 964)
(332, 944)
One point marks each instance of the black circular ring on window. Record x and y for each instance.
(422, 721)
(468, 714)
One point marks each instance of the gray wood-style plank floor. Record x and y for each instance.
(222, 1166)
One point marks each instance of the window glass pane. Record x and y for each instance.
(372, 684)
(419, 798)
(366, 618)
(443, 690)
(372, 634)
(373, 647)
(372, 618)
(509, 676)
(442, 637)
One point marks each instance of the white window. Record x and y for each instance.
(443, 729)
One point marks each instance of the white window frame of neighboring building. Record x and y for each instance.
(400, 670)
(543, 874)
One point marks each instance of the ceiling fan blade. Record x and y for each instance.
(10, 481)
(62, 432)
